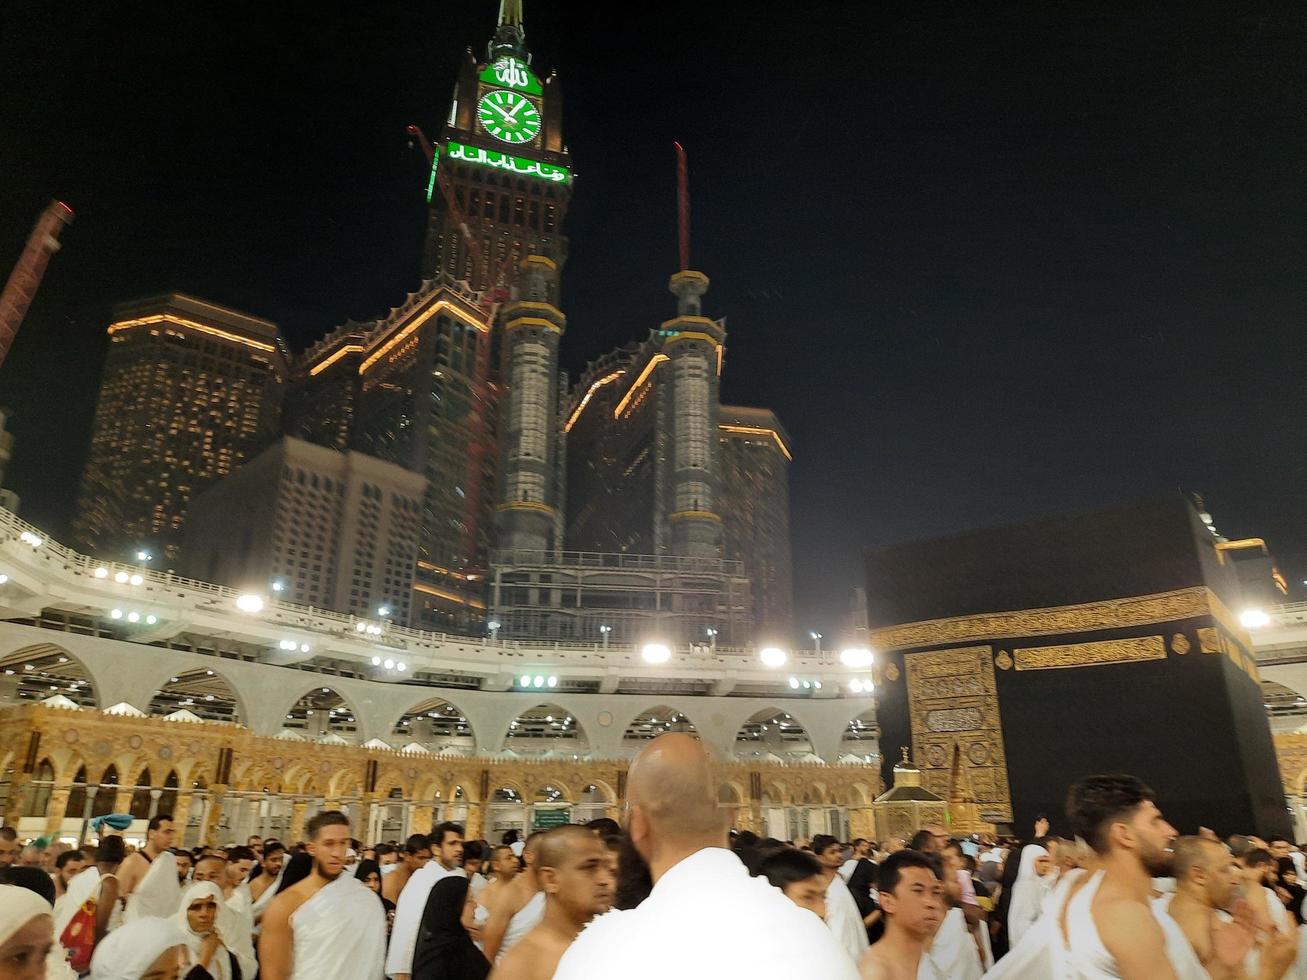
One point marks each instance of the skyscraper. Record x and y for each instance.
(324, 389)
(755, 508)
(330, 529)
(190, 390)
(424, 404)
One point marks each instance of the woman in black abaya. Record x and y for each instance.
(444, 949)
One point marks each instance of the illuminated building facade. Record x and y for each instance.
(422, 405)
(755, 508)
(324, 390)
(190, 391)
(317, 526)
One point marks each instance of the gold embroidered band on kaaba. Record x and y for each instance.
(1086, 617)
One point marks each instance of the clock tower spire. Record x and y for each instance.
(510, 35)
(501, 176)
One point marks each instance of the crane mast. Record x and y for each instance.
(26, 276)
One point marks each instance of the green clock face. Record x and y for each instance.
(509, 116)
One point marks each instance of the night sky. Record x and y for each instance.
(985, 264)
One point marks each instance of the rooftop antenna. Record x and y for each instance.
(682, 206)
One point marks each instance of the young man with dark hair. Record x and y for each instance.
(799, 876)
(236, 890)
(577, 882)
(912, 899)
(417, 852)
(328, 925)
(1258, 869)
(148, 878)
(474, 862)
(185, 865)
(446, 847)
(842, 915)
(263, 887)
(9, 847)
(1110, 925)
(67, 866)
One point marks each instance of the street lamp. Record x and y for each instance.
(603, 632)
(816, 637)
(494, 626)
(656, 653)
(143, 555)
(858, 658)
(712, 638)
(772, 657)
(383, 611)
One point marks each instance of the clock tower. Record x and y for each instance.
(501, 177)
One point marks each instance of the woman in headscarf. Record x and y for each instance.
(200, 918)
(147, 949)
(444, 949)
(369, 872)
(1028, 891)
(26, 934)
(998, 919)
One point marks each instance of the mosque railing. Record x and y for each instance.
(37, 548)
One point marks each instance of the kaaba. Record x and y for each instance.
(1015, 660)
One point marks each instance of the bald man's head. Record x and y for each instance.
(554, 846)
(1206, 869)
(673, 799)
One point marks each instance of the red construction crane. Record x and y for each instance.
(26, 277)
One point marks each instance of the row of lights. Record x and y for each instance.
(796, 684)
(133, 617)
(855, 658)
(389, 664)
(122, 578)
(28, 538)
(539, 680)
(292, 645)
(371, 629)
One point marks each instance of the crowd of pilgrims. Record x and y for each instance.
(672, 895)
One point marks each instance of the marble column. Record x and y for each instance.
(155, 796)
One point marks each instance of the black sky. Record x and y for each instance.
(985, 263)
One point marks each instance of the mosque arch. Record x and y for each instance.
(47, 669)
(772, 733)
(40, 789)
(437, 724)
(322, 713)
(860, 738)
(139, 807)
(655, 721)
(203, 692)
(546, 730)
